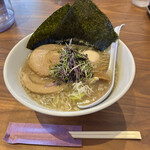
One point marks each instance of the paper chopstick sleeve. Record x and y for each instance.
(42, 134)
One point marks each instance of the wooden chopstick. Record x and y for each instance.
(106, 134)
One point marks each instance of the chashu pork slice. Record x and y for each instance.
(43, 58)
(39, 87)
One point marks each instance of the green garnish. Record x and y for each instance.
(73, 66)
(77, 96)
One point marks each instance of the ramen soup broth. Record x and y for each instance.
(66, 97)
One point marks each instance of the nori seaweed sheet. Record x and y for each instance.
(83, 21)
(43, 32)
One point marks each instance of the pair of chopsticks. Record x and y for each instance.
(106, 134)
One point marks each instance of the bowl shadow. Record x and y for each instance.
(109, 119)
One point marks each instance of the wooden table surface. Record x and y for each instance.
(131, 112)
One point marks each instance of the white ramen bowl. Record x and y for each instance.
(18, 55)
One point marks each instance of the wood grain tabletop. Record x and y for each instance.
(130, 113)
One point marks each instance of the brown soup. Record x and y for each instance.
(65, 98)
